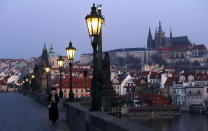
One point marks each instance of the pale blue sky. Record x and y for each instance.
(26, 24)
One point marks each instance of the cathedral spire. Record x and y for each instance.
(149, 39)
(160, 28)
(171, 35)
(149, 34)
(156, 32)
(44, 47)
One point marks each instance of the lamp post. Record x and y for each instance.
(33, 82)
(47, 70)
(70, 56)
(33, 76)
(26, 82)
(23, 87)
(94, 24)
(60, 62)
(20, 86)
(85, 73)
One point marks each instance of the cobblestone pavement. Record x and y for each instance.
(21, 113)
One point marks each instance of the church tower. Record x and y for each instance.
(149, 40)
(171, 35)
(51, 49)
(160, 35)
(44, 56)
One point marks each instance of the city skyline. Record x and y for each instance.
(26, 25)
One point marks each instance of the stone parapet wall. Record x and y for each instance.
(39, 97)
(80, 119)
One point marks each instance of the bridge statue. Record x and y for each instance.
(107, 91)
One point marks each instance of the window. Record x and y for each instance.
(76, 90)
(81, 90)
(64, 90)
(198, 92)
(198, 77)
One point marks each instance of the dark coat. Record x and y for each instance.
(53, 110)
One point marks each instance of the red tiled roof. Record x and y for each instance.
(198, 47)
(169, 81)
(2, 83)
(120, 77)
(145, 73)
(201, 77)
(154, 75)
(145, 96)
(180, 47)
(164, 49)
(6, 77)
(77, 82)
(129, 86)
(184, 47)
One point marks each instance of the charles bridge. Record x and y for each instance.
(30, 113)
(19, 111)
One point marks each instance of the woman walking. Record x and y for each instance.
(53, 105)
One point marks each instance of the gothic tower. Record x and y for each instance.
(171, 35)
(160, 35)
(149, 40)
(44, 56)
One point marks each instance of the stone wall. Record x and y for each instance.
(80, 119)
(114, 56)
(39, 97)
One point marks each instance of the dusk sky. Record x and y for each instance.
(26, 24)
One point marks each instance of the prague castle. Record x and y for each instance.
(161, 41)
(171, 49)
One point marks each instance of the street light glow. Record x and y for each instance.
(60, 62)
(33, 76)
(70, 51)
(94, 21)
(47, 69)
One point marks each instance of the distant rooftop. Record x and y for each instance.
(121, 50)
(127, 49)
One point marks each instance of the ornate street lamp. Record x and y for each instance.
(26, 79)
(47, 70)
(60, 62)
(23, 87)
(26, 82)
(94, 24)
(70, 55)
(94, 21)
(33, 76)
(33, 82)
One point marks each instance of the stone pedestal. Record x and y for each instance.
(43, 84)
(61, 104)
(108, 95)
